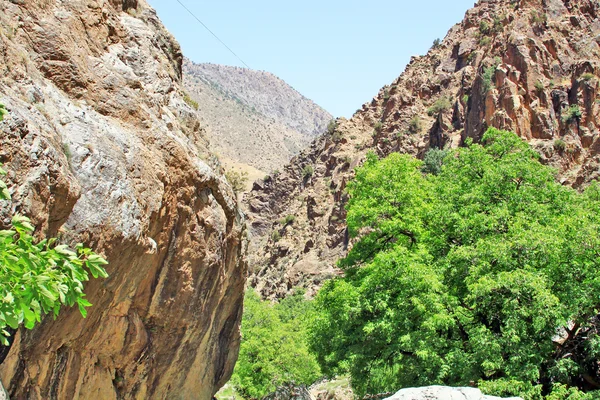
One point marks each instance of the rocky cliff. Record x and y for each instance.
(529, 66)
(102, 148)
(252, 118)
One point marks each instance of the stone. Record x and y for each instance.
(443, 393)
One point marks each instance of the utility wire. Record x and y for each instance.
(212, 33)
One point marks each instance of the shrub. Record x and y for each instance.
(572, 114)
(465, 277)
(190, 102)
(465, 99)
(485, 40)
(3, 112)
(37, 277)
(289, 219)
(560, 145)
(386, 95)
(539, 86)
(433, 161)
(378, 126)
(332, 126)
(276, 236)
(484, 27)
(442, 104)
(273, 350)
(588, 76)
(538, 18)
(436, 43)
(237, 179)
(487, 77)
(308, 171)
(415, 125)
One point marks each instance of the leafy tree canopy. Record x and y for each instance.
(485, 273)
(274, 349)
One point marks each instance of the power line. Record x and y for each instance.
(212, 33)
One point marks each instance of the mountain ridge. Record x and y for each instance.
(521, 66)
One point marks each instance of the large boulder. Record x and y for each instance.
(443, 393)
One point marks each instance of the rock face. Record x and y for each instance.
(528, 66)
(253, 117)
(101, 148)
(443, 393)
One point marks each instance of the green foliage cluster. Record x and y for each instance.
(588, 76)
(436, 43)
(415, 125)
(466, 276)
(442, 104)
(274, 349)
(433, 161)
(3, 112)
(332, 126)
(538, 17)
(539, 86)
(560, 145)
(378, 127)
(37, 277)
(308, 171)
(237, 179)
(572, 114)
(190, 102)
(488, 75)
(289, 219)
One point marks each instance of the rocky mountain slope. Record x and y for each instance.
(102, 148)
(529, 66)
(252, 117)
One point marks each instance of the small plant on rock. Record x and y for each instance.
(442, 104)
(237, 180)
(572, 114)
(415, 125)
(588, 76)
(560, 145)
(308, 171)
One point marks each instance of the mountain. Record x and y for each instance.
(253, 119)
(527, 66)
(101, 148)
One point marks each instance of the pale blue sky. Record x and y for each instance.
(337, 53)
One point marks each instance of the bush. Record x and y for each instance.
(3, 112)
(588, 76)
(433, 161)
(276, 236)
(572, 114)
(560, 145)
(37, 277)
(488, 76)
(274, 351)
(378, 127)
(465, 277)
(415, 125)
(442, 104)
(539, 86)
(484, 27)
(436, 43)
(190, 102)
(308, 171)
(237, 179)
(332, 126)
(289, 219)
(538, 18)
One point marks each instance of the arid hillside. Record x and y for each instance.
(252, 118)
(529, 66)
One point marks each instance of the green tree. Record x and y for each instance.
(485, 272)
(274, 349)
